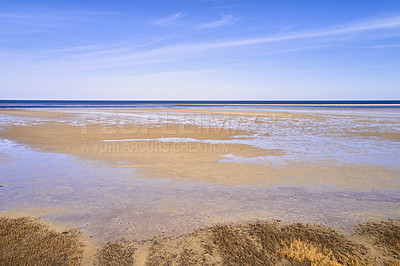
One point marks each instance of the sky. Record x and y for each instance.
(200, 49)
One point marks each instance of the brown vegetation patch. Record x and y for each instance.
(384, 234)
(262, 243)
(27, 241)
(118, 253)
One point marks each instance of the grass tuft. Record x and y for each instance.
(116, 253)
(385, 235)
(27, 241)
(261, 243)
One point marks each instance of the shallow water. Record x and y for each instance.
(303, 139)
(109, 203)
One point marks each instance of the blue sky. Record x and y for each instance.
(199, 49)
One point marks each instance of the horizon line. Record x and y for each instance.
(203, 100)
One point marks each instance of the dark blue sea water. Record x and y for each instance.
(165, 104)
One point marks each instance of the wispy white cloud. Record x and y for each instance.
(225, 20)
(97, 50)
(130, 55)
(385, 46)
(352, 28)
(186, 48)
(175, 19)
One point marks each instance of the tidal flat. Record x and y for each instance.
(143, 173)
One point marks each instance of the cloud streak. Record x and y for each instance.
(175, 19)
(358, 27)
(224, 21)
(93, 57)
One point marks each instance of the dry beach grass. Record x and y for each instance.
(27, 241)
(385, 235)
(261, 243)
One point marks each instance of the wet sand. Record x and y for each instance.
(139, 173)
(193, 153)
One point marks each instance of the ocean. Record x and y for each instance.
(184, 103)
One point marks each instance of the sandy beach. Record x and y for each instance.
(141, 173)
